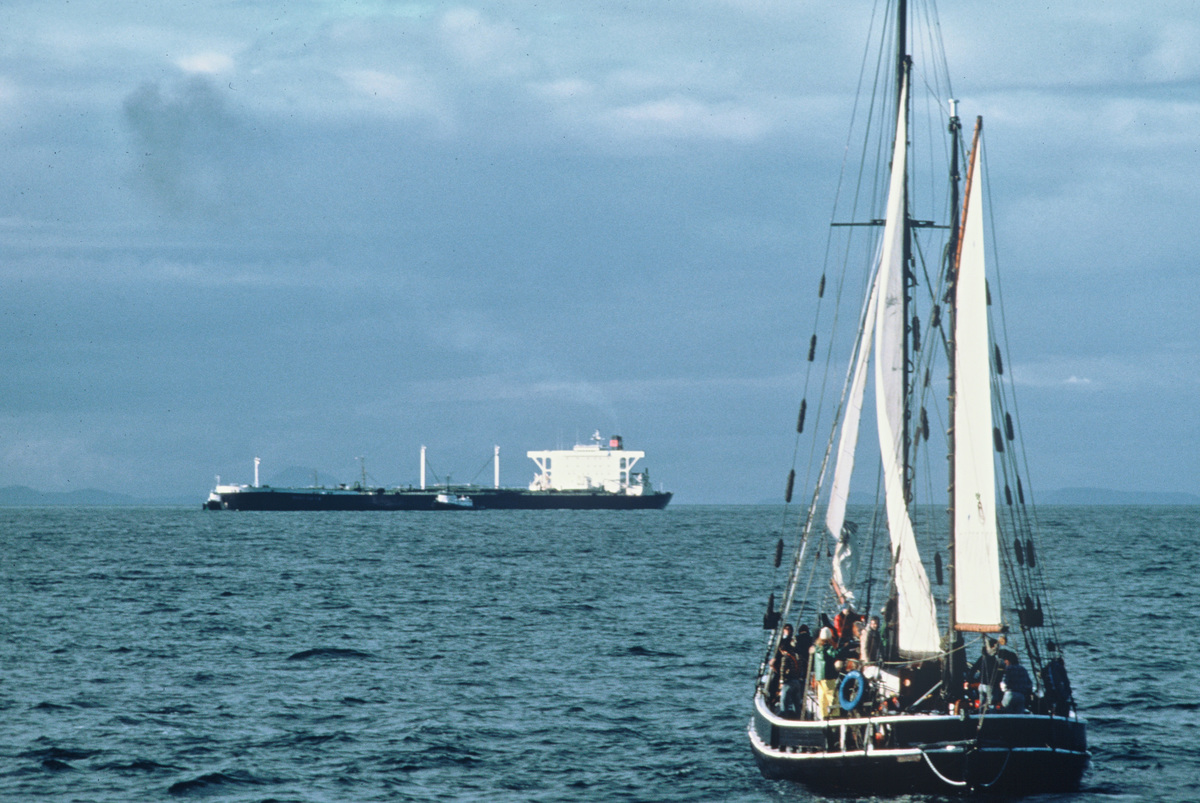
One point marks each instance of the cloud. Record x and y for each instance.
(493, 48)
(401, 96)
(1175, 55)
(1165, 371)
(190, 148)
(517, 387)
(681, 117)
(207, 63)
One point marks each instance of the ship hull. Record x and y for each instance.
(923, 753)
(315, 499)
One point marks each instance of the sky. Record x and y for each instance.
(315, 232)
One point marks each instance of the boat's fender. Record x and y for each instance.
(850, 703)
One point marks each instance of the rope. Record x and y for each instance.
(938, 773)
(950, 782)
(1001, 772)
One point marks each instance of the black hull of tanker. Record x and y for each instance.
(997, 754)
(305, 499)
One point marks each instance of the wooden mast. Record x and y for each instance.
(903, 72)
(954, 665)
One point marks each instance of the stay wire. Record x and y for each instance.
(1029, 509)
(805, 524)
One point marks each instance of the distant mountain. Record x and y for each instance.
(1073, 496)
(1104, 496)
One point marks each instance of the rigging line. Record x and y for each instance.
(1033, 571)
(486, 465)
(1033, 576)
(807, 526)
(927, 356)
(880, 148)
(841, 280)
(789, 593)
(935, 50)
(934, 27)
(927, 106)
(840, 286)
(1031, 511)
(812, 573)
(829, 240)
(429, 467)
(1024, 583)
(826, 262)
(806, 529)
(785, 606)
(810, 518)
(801, 547)
(875, 530)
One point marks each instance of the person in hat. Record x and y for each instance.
(825, 666)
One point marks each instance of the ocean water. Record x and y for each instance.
(163, 654)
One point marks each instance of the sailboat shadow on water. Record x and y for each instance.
(891, 706)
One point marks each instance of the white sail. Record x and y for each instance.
(976, 558)
(916, 616)
(835, 515)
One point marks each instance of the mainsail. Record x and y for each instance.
(916, 616)
(976, 560)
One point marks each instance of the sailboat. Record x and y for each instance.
(914, 685)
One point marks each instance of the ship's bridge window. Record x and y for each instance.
(547, 463)
(623, 459)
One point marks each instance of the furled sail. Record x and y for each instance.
(835, 515)
(916, 616)
(976, 559)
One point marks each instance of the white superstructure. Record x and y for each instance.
(598, 465)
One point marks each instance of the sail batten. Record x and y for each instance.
(917, 617)
(976, 554)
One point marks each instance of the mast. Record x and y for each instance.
(954, 666)
(903, 72)
(902, 108)
(952, 247)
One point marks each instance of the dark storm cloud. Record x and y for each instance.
(190, 150)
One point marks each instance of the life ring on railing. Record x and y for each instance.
(849, 703)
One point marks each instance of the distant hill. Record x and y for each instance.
(1104, 496)
(1084, 497)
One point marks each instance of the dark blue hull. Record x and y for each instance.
(303, 499)
(1004, 754)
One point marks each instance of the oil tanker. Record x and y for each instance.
(597, 475)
